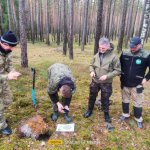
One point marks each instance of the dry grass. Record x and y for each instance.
(90, 134)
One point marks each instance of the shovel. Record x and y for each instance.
(33, 88)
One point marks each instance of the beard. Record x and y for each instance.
(4, 51)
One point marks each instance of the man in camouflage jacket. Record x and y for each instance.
(7, 43)
(60, 79)
(104, 67)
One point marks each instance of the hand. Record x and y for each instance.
(13, 75)
(92, 74)
(66, 107)
(144, 81)
(60, 107)
(103, 78)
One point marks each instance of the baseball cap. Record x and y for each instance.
(135, 41)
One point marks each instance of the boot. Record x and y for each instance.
(54, 116)
(139, 125)
(6, 131)
(109, 127)
(67, 117)
(125, 108)
(107, 117)
(87, 114)
(138, 116)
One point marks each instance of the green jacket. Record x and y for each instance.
(56, 72)
(5, 65)
(110, 66)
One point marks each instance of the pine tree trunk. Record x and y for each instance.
(145, 21)
(142, 17)
(23, 34)
(85, 24)
(59, 23)
(32, 21)
(46, 22)
(108, 19)
(98, 26)
(112, 20)
(14, 17)
(65, 30)
(71, 29)
(1, 20)
(38, 19)
(129, 26)
(121, 36)
(9, 14)
(134, 19)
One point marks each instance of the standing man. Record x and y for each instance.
(8, 41)
(133, 65)
(104, 67)
(60, 79)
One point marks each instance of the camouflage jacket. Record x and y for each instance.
(5, 65)
(110, 66)
(56, 73)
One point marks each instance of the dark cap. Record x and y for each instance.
(135, 41)
(9, 38)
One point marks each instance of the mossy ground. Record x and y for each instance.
(90, 134)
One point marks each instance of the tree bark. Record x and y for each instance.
(71, 29)
(65, 30)
(121, 36)
(85, 24)
(23, 34)
(98, 26)
(1, 20)
(32, 22)
(142, 17)
(145, 21)
(46, 22)
(9, 14)
(129, 26)
(108, 19)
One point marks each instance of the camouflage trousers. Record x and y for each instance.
(5, 101)
(106, 91)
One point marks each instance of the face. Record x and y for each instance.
(6, 47)
(136, 48)
(103, 48)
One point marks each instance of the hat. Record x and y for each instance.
(135, 41)
(66, 91)
(9, 38)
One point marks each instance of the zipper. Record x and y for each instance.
(130, 68)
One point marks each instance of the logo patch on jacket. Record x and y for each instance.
(138, 61)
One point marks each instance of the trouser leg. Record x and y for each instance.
(5, 101)
(126, 95)
(106, 91)
(94, 89)
(138, 98)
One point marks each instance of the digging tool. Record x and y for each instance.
(33, 87)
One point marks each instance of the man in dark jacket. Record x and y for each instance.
(133, 76)
(60, 79)
(104, 67)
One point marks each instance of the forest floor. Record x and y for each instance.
(90, 134)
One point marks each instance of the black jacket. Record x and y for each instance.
(133, 68)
